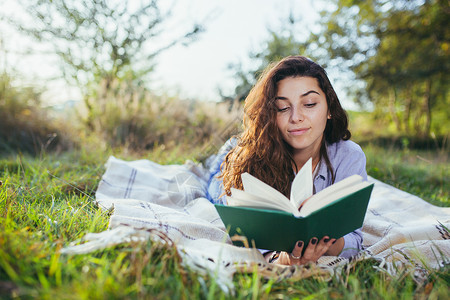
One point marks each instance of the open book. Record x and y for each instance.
(302, 202)
(272, 221)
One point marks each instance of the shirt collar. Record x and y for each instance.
(322, 171)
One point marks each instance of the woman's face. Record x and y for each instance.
(302, 114)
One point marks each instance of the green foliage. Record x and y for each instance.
(390, 55)
(418, 166)
(399, 50)
(24, 125)
(420, 173)
(45, 203)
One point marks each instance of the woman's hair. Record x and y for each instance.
(261, 150)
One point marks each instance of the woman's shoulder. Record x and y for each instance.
(344, 147)
(347, 159)
(216, 160)
(345, 153)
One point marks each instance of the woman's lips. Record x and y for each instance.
(298, 131)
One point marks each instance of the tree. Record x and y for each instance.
(101, 41)
(280, 43)
(101, 38)
(391, 54)
(400, 50)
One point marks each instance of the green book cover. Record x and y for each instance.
(278, 230)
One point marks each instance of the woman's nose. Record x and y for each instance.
(297, 115)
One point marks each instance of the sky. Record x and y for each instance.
(233, 29)
(236, 28)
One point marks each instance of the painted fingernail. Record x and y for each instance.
(326, 240)
(300, 244)
(334, 241)
(313, 241)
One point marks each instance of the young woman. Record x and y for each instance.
(291, 115)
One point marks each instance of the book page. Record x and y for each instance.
(245, 199)
(332, 189)
(254, 186)
(302, 186)
(315, 203)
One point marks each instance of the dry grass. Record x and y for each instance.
(24, 125)
(139, 120)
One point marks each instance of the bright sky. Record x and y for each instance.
(236, 28)
(233, 29)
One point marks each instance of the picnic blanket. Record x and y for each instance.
(167, 203)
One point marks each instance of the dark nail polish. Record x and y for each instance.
(314, 241)
(334, 242)
(326, 240)
(299, 244)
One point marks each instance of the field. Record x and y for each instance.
(45, 203)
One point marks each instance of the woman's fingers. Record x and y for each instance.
(310, 251)
(296, 254)
(324, 244)
(314, 250)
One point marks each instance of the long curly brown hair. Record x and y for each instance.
(261, 150)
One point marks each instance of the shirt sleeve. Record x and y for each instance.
(352, 244)
(350, 160)
(215, 188)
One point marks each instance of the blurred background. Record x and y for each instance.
(144, 75)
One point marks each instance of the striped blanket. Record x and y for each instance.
(167, 203)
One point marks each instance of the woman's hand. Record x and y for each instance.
(312, 253)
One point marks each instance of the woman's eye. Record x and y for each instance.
(281, 109)
(310, 104)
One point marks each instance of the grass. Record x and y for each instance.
(45, 203)
(422, 173)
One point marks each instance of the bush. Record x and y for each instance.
(366, 129)
(123, 115)
(24, 125)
